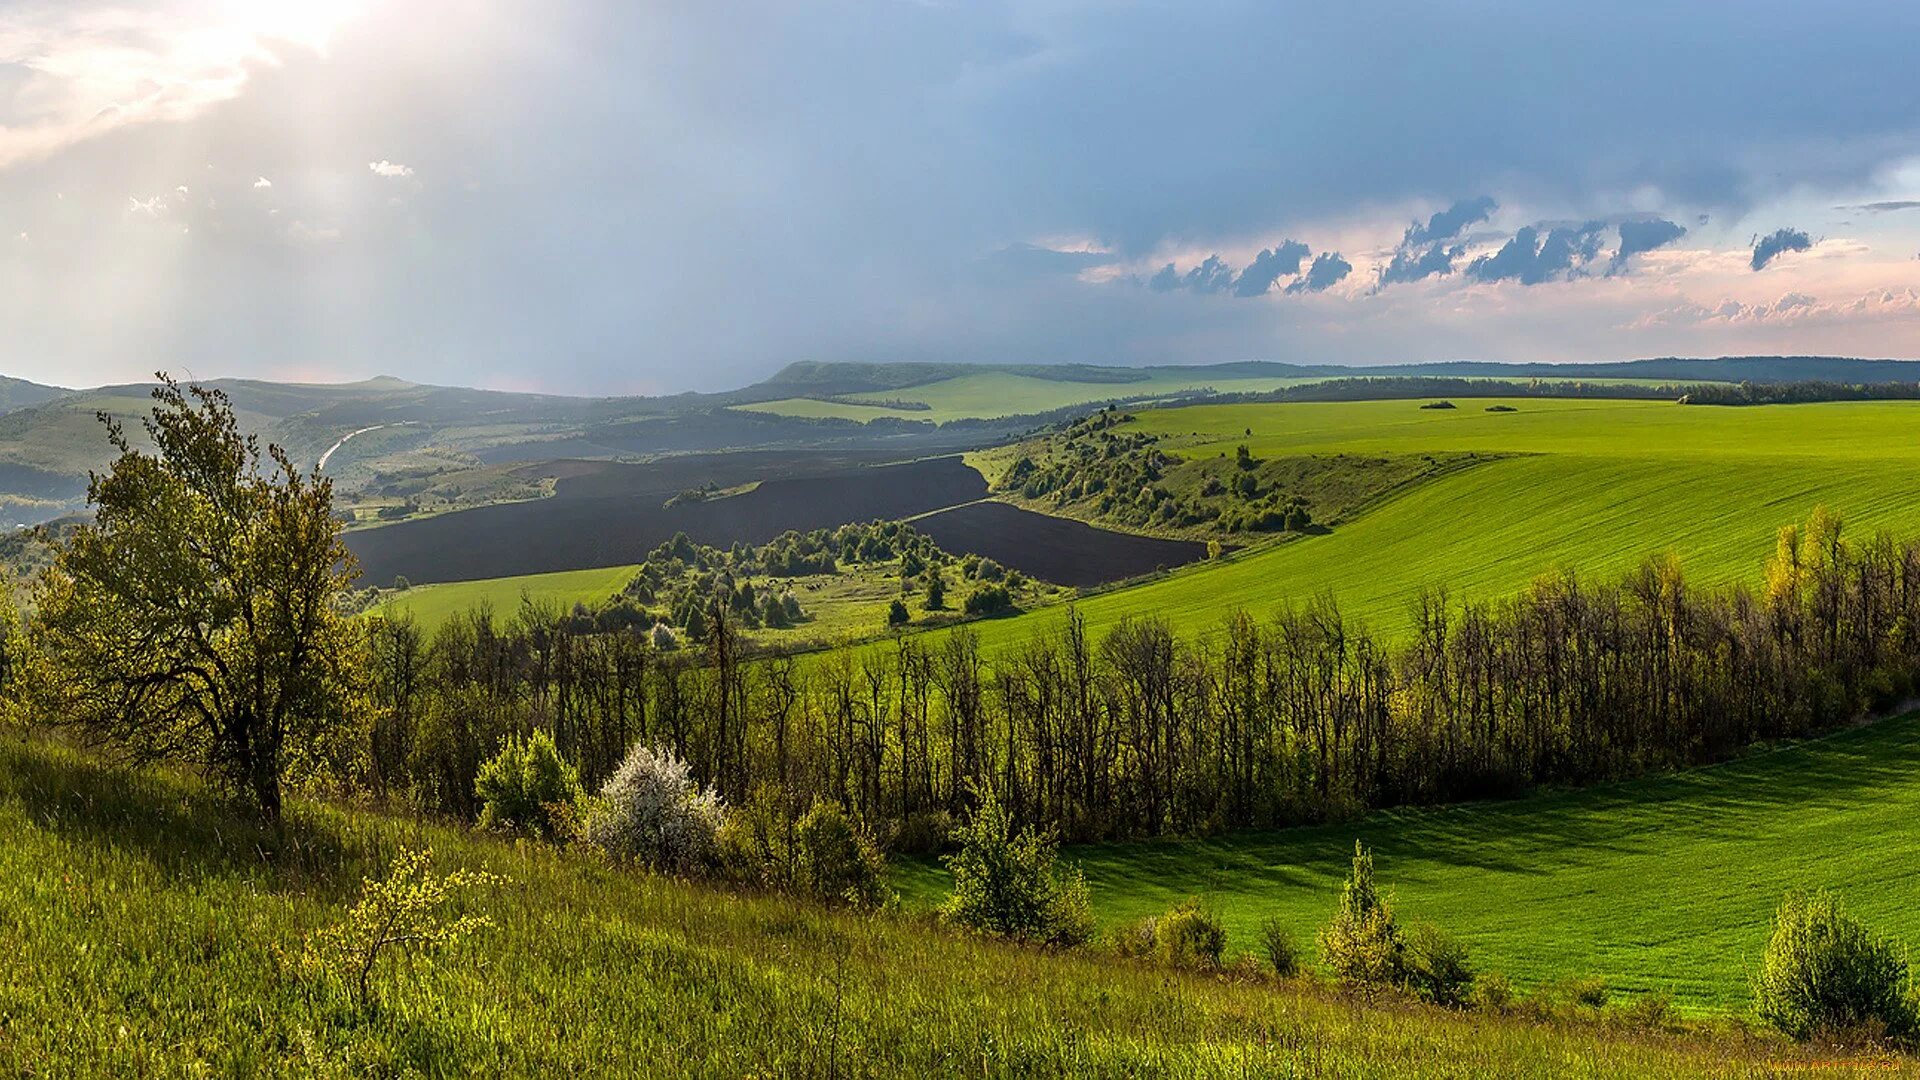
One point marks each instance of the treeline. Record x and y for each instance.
(1797, 393)
(1305, 717)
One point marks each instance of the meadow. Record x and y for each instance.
(1664, 884)
(144, 932)
(1595, 485)
(994, 394)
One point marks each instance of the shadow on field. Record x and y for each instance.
(1540, 834)
(183, 831)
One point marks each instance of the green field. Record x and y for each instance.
(142, 933)
(431, 605)
(1662, 884)
(995, 394)
(1596, 485)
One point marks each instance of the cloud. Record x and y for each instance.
(1328, 270)
(1531, 260)
(387, 168)
(1791, 309)
(1884, 207)
(1768, 248)
(1406, 266)
(76, 71)
(262, 183)
(1038, 259)
(1269, 266)
(1639, 236)
(1448, 223)
(1423, 253)
(1211, 276)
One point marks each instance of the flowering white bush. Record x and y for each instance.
(664, 639)
(653, 811)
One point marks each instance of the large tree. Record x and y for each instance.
(194, 619)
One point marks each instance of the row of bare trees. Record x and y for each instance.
(1134, 732)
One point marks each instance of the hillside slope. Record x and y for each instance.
(141, 933)
(1664, 884)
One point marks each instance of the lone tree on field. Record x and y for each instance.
(194, 619)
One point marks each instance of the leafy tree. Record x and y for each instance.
(195, 619)
(936, 590)
(1362, 944)
(897, 614)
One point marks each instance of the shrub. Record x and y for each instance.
(1492, 991)
(525, 785)
(1438, 967)
(1190, 936)
(989, 600)
(836, 859)
(1362, 945)
(897, 614)
(411, 911)
(653, 812)
(1824, 972)
(1010, 885)
(1283, 953)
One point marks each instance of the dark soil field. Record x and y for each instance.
(606, 514)
(1060, 550)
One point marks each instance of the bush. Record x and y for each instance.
(526, 785)
(1493, 992)
(1362, 945)
(897, 614)
(1011, 886)
(1283, 953)
(837, 860)
(989, 600)
(1438, 967)
(1823, 972)
(653, 812)
(1190, 936)
(411, 911)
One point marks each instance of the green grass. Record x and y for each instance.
(432, 605)
(1660, 884)
(143, 933)
(995, 394)
(1593, 485)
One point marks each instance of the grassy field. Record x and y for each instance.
(432, 605)
(1661, 884)
(1594, 485)
(142, 932)
(994, 394)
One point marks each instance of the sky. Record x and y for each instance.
(587, 196)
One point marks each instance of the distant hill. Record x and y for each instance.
(19, 393)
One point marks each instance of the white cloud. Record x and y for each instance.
(88, 69)
(262, 184)
(1792, 309)
(384, 167)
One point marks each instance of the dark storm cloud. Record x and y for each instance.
(1328, 270)
(1448, 223)
(1431, 261)
(1770, 247)
(1211, 276)
(1423, 251)
(1269, 266)
(1531, 260)
(1640, 236)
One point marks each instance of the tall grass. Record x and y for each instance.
(146, 931)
